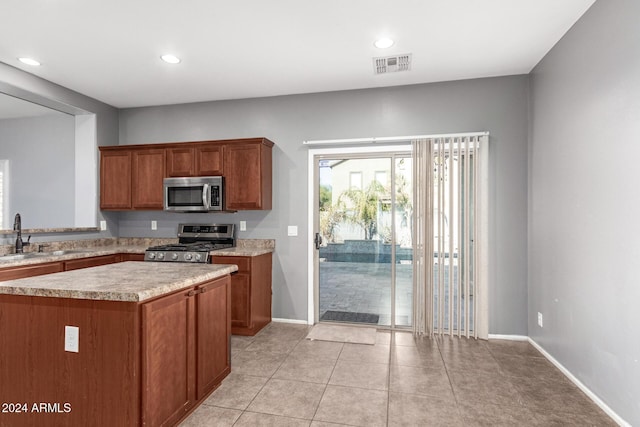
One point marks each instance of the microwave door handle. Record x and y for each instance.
(206, 202)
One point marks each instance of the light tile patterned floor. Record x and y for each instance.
(280, 379)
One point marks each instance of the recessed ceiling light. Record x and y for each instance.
(29, 61)
(171, 59)
(383, 43)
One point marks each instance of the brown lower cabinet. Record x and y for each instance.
(250, 292)
(21, 272)
(144, 363)
(76, 264)
(131, 257)
(11, 273)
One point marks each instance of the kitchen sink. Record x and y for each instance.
(64, 252)
(17, 257)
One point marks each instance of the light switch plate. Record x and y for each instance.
(71, 339)
(103, 225)
(154, 225)
(243, 225)
(292, 230)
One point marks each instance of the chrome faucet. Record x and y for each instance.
(17, 226)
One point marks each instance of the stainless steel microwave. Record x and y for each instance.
(194, 194)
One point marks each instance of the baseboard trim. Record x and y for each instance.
(295, 321)
(508, 337)
(618, 419)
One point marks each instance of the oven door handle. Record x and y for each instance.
(206, 200)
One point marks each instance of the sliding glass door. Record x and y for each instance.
(363, 238)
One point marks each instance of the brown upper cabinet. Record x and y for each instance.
(209, 159)
(248, 175)
(115, 179)
(131, 176)
(195, 159)
(147, 174)
(181, 161)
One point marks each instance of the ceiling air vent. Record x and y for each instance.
(391, 64)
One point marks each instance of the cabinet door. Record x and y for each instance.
(247, 176)
(147, 175)
(213, 304)
(95, 261)
(181, 161)
(209, 160)
(115, 179)
(168, 358)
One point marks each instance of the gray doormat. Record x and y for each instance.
(350, 317)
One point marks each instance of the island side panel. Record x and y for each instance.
(100, 384)
(261, 294)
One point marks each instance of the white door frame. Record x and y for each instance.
(312, 204)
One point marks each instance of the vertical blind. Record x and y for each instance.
(450, 245)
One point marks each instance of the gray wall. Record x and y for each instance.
(41, 154)
(106, 122)
(584, 204)
(497, 105)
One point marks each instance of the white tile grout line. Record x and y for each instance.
(327, 384)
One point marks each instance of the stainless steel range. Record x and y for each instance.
(195, 241)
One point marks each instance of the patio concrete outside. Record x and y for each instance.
(365, 287)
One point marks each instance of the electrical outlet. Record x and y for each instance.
(103, 225)
(243, 225)
(540, 319)
(71, 339)
(154, 225)
(292, 230)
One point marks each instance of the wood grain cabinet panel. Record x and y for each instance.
(115, 180)
(248, 178)
(181, 161)
(76, 264)
(21, 272)
(186, 350)
(148, 172)
(213, 304)
(168, 358)
(209, 160)
(131, 257)
(100, 383)
(250, 292)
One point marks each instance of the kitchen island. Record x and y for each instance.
(120, 344)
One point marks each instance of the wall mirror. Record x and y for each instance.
(47, 163)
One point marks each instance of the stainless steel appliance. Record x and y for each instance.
(194, 194)
(195, 241)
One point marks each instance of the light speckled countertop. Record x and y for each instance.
(126, 281)
(117, 249)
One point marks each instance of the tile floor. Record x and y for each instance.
(280, 379)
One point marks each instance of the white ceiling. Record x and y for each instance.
(110, 49)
